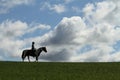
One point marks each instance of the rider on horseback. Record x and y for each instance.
(33, 48)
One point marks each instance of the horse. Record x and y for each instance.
(33, 54)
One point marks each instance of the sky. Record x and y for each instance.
(72, 30)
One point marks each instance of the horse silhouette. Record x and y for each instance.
(36, 54)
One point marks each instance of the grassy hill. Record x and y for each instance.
(59, 71)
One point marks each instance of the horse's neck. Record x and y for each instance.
(39, 51)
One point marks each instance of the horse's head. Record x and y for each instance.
(44, 49)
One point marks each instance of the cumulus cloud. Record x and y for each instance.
(110, 12)
(11, 33)
(35, 27)
(5, 5)
(9, 28)
(101, 20)
(58, 8)
(61, 41)
(66, 31)
(94, 29)
(71, 34)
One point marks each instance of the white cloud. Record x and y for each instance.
(88, 9)
(67, 31)
(35, 27)
(113, 17)
(114, 57)
(58, 8)
(10, 37)
(101, 18)
(106, 11)
(9, 29)
(5, 5)
(61, 41)
(72, 34)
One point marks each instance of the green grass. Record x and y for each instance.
(59, 71)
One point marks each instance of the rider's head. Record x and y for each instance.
(33, 42)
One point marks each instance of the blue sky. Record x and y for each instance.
(32, 13)
(83, 30)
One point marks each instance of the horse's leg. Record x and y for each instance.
(23, 59)
(23, 56)
(36, 59)
(28, 58)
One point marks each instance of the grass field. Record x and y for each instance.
(59, 71)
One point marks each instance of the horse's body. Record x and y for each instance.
(36, 53)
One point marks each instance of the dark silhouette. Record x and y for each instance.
(33, 48)
(33, 45)
(29, 53)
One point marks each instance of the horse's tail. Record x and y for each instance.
(23, 55)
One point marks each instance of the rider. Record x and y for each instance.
(33, 48)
